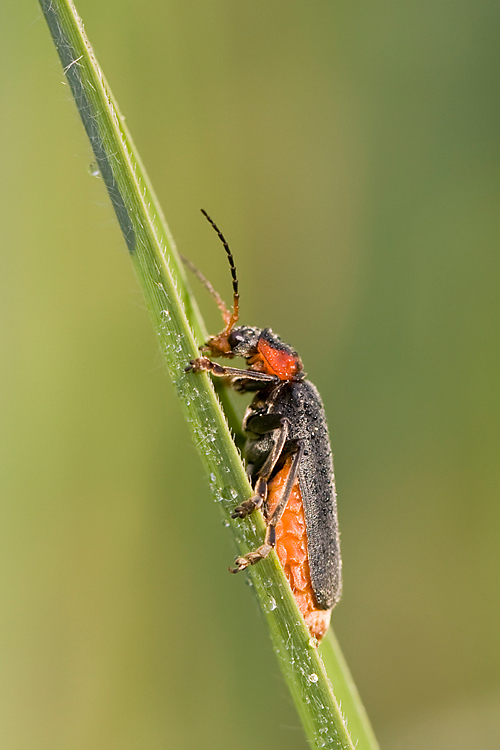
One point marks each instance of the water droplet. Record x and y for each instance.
(313, 677)
(233, 493)
(226, 523)
(313, 642)
(270, 604)
(94, 170)
(249, 582)
(212, 477)
(166, 314)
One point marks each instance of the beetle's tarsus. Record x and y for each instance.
(198, 365)
(240, 563)
(253, 557)
(247, 507)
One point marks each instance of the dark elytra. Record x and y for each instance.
(301, 404)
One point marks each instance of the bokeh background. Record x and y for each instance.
(350, 152)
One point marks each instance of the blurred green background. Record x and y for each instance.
(350, 153)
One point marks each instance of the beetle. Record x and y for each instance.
(288, 456)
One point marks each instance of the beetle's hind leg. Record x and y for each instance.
(260, 487)
(270, 539)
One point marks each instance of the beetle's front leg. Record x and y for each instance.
(204, 364)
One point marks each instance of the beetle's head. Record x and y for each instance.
(263, 350)
(238, 342)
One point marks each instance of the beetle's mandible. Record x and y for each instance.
(288, 455)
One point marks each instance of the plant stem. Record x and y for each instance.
(179, 328)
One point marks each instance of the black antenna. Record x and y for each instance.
(236, 295)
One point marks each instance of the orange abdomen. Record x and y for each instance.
(291, 548)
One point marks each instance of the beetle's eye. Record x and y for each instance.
(235, 338)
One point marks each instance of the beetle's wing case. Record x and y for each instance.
(317, 484)
(301, 403)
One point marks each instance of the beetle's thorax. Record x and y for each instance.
(263, 350)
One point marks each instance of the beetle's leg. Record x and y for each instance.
(205, 364)
(270, 539)
(260, 487)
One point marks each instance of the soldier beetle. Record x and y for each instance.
(288, 456)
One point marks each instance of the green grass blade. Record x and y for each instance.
(346, 693)
(179, 329)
